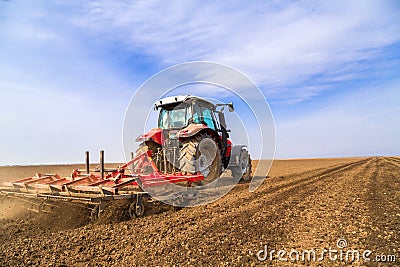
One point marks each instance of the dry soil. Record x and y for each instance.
(306, 204)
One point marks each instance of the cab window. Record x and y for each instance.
(207, 118)
(174, 117)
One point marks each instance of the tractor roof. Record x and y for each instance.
(175, 100)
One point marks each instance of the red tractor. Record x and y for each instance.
(192, 138)
(190, 146)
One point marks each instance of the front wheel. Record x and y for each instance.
(243, 171)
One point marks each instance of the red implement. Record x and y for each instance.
(127, 179)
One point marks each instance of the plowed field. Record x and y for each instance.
(344, 204)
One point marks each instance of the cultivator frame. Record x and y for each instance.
(95, 187)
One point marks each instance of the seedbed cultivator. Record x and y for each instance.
(96, 187)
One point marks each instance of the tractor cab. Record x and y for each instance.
(180, 111)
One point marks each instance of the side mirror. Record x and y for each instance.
(230, 107)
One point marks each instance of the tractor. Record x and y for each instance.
(192, 138)
(190, 147)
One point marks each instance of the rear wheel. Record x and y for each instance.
(201, 154)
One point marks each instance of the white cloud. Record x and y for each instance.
(57, 98)
(277, 44)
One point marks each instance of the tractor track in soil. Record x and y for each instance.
(330, 212)
(393, 161)
(311, 207)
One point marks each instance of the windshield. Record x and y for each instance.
(174, 117)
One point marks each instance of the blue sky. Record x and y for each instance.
(330, 70)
